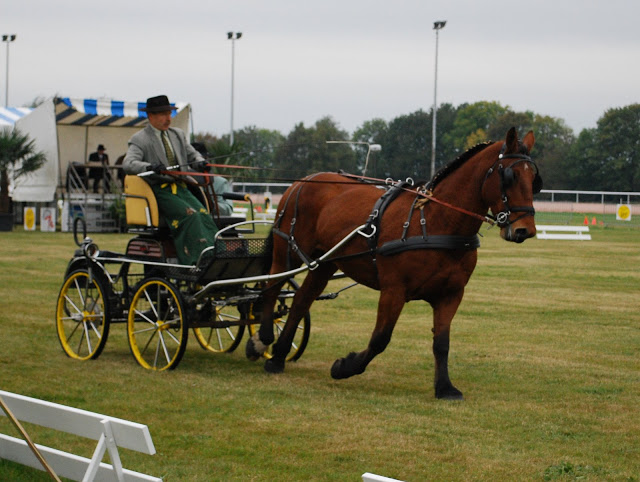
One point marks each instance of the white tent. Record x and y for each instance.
(68, 130)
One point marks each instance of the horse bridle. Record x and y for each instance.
(507, 178)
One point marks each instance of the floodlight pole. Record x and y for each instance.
(436, 26)
(233, 36)
(8, 39)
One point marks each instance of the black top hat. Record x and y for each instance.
(101, 147)
(159, 103)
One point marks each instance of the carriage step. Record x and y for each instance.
(224, 324)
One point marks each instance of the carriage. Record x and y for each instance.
(160, 300)
(409, 242)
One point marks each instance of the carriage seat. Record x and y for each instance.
(140, 203)
(142, 208)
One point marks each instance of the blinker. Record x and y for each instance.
(508, 178)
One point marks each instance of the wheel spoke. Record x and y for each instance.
(70, 301)
(88, 337)
(164, 348)
(79, 290)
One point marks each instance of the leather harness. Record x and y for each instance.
(425, 241)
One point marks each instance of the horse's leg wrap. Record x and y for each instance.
(443, 387)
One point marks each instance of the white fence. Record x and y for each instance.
(575, 233)
(109, 432)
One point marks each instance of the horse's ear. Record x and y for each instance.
(529, 140)
(511, 141)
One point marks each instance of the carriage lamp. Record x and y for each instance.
(233, 36)
(8, 39)
(436, 26)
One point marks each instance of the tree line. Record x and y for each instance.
(604, 158)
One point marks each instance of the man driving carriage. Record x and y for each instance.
(155, 148)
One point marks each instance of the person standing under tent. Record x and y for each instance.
(98, 173)
(156, 147)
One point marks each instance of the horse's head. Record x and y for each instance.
(509, 186)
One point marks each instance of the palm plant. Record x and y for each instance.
(18, 157)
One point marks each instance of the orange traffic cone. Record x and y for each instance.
(586, 221)
(593, 222)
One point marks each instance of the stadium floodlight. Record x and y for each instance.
(437, 26)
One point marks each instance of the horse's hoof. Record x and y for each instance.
(252, 349)
(451, 393)
(345, 367)
(274, 366)
(337, 369)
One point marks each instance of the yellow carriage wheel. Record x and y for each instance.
(156, 325)
(301, 337)
(226, 338)
(82, 318)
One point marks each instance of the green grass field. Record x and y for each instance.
(545, 347)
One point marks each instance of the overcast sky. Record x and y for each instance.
(299, 60)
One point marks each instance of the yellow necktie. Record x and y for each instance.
(167, 148)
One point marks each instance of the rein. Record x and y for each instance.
(501, 219)
(428, 196)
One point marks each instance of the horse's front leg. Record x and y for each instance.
(311, 288)
(443, 313)
(390, 306)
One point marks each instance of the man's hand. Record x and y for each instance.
(157, 167)
(201, 166)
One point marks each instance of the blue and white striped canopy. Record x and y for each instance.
(9, 115)
(101, 112)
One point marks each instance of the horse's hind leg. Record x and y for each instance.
(390, 306)
(258, 343)
(311, 288)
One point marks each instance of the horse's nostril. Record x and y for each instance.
(521, 234)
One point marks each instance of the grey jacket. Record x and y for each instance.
(146, 149)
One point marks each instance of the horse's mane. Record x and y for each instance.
(455, 164)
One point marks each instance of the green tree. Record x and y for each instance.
(584, 167)
(445, 148)
(406, 147)
(257, 148)
(306, 150)
(18, 157)
(552, 150)
(523, 121)
(618, 137)
(472, 124)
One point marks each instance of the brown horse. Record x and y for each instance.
(407, 250)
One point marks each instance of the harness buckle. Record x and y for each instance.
(365, 235)
(502, 217)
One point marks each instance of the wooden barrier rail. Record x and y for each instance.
(109, 432)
